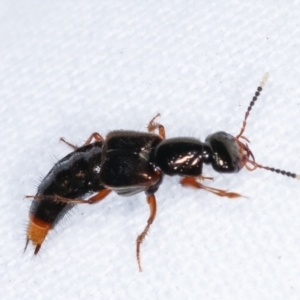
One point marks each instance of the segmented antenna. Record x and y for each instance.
(256, 95)
(282, 172)
(250, 164)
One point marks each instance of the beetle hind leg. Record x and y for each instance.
(96, 136)
(94, 199)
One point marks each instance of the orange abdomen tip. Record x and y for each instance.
(36, 232)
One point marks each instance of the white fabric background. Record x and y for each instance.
(69, 68)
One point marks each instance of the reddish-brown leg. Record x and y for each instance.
(153, 125)
(69, 144)
(96, 136)
(192, 182)
(96, 198)
(152, 204)
(205, 178)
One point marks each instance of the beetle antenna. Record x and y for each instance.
(256, 95)
(255, 165)
(250, 164)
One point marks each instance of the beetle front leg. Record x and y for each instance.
(193, 182)
(153, 125)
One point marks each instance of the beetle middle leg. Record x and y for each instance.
(96, 136)
(193, 182)
(152, 204)
(153, 125)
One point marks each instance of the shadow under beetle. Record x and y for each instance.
(129, 162)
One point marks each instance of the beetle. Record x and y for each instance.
(130, 162)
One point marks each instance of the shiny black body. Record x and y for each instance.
(182, 156)
(226, 153)
(74, 176)
(129, 162)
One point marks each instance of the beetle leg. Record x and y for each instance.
(205, 178)
(69, 144)
(153, 125)
(96, 198)
(192, 182)
(152, 204)
(96, 136)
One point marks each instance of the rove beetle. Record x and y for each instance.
(129, 162)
